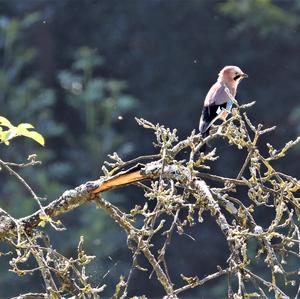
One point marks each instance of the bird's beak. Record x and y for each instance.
(244, 75)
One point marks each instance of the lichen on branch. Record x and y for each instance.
(181, 191)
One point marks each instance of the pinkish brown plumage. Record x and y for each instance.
(217, 98)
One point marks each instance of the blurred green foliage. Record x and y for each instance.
(80, 70)
(264, 16)
(77, 146)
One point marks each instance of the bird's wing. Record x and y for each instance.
(208, 116)
(216, 95)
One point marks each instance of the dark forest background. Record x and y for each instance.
(80, 70)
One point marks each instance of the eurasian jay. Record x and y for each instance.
(217, 98)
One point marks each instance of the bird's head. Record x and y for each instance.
(231, 74)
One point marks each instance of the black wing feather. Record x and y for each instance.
(208, 114)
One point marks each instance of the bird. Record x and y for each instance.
(217, 98)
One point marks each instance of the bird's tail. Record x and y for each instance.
(204, 146)
(204, 127)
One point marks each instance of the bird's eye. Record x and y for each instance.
(236, 76)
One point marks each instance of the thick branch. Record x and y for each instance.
(74, 198)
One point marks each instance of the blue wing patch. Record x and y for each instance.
(229, 105)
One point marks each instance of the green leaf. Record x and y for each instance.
(5, 136)
(20, 130)
(35, 136)
(26, 126)
(5, 122)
